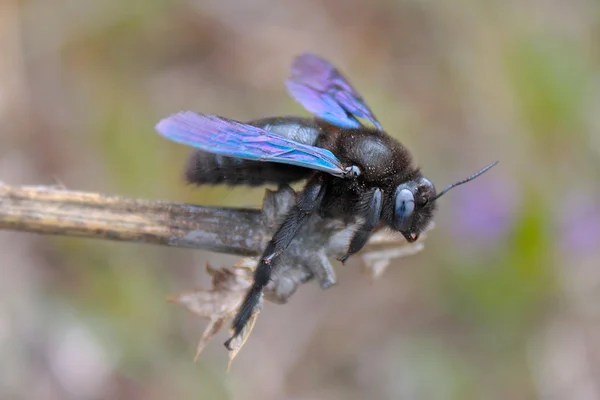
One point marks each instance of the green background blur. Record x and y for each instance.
(504, 303)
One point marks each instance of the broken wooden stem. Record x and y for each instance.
(55, 211)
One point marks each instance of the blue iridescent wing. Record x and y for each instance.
(226, 137)
(322, 90)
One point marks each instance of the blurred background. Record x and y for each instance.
(504, 303)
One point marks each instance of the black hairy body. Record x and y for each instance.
(384, 165)
(383, 161)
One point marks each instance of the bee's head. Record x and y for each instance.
(415, 202)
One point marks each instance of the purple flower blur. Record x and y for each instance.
(579, 225)
(484, 210)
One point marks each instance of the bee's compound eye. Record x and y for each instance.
(406, 201)
(405, 205)
(352, 171)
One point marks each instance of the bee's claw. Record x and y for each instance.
(344, 258)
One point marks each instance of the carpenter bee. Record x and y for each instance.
(354, 172)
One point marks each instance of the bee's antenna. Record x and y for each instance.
(470, 178)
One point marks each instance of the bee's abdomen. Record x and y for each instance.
(210, 169)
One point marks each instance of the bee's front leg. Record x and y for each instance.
(370, 204)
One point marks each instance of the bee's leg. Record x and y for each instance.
(371, 212)
(308, 201)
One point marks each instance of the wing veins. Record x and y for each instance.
(231, 138)
(325, 92)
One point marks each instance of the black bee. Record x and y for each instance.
(352, 170)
